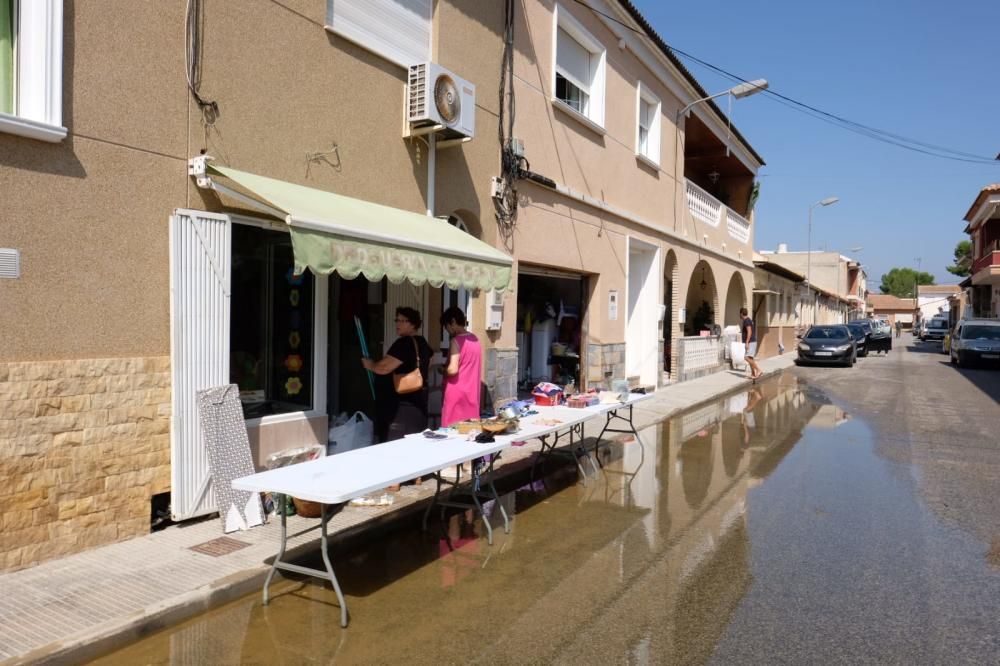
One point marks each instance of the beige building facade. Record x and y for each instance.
(621, 216)
(87, 420)
(634, 227)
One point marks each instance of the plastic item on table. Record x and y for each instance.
(580, 400)
(547, 400)
(547, 394)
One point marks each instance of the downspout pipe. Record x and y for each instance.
(431, 169)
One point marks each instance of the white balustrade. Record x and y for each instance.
(739, 226)
(703, 206)
(708, 209)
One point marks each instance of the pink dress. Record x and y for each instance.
(461, 391)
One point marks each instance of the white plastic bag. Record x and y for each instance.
(356, 433)
(737, 353)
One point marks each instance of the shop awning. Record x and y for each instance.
(334, 233)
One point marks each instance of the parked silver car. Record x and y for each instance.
(976, 341)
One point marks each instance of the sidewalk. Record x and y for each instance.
(78, 607)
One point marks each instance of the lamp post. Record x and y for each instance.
(829, 201)
(739, 92)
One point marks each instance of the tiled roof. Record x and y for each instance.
(983, 193)
(938, 289)
(889, 302)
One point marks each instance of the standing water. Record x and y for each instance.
(759, 528)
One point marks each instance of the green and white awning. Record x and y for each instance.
(333, 233)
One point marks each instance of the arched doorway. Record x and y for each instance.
(702, 302)
(735, 299)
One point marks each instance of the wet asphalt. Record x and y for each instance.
(824, 516)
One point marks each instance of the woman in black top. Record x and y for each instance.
(402, 414)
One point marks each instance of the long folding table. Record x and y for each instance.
(341, 478)
(619, 413)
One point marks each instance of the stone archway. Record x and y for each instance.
(702, 301)
(735, 299)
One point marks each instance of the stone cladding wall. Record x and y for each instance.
(84, 445)
(605, 361)
(501, 375)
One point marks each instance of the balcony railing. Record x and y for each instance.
(703, 206)
(739, 226)
(711, 211)
(991, 257)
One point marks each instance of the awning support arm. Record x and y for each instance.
(197, 167)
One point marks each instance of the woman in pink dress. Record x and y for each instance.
(463, 371)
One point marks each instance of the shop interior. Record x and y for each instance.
(550, 311)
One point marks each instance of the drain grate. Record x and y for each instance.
(219, 547)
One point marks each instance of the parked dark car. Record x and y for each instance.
(831, 343)
(860, 338)
(864, 323)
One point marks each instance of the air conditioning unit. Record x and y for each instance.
(435, 96)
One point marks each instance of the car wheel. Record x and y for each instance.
(962, 363)
(951, 356)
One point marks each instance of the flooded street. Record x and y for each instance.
(762, 528)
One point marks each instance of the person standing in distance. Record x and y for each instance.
(748, 329)
(463, 370)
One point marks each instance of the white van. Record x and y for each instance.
(934, 329)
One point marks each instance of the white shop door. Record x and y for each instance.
(200, 271)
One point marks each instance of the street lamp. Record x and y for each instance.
(740, 91)
(829, 201)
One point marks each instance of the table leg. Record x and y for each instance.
(280, 503)
(611, 416)
(316, 573)
(329, 567)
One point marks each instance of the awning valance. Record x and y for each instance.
(335, 233)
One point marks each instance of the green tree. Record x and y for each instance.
(963, 259)
(900, 281)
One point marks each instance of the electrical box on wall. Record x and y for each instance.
(494, 310)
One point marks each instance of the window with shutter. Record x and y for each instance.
(397, 30)
(578, 68)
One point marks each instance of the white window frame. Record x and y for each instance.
(651, 155)
(38, 51)
(594, 116)
(321, 294)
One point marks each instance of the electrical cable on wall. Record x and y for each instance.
(511, 164)
(193, 21)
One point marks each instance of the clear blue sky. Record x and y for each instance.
(925, 70)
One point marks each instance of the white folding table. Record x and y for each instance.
(341, 478)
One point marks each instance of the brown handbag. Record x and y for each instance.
(412, 381)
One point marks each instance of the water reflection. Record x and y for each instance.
(646, 562)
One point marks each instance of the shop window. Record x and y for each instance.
(647, 142)
(31, 69)
(579, 69)
(272, 322)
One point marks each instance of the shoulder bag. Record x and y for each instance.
(412, 381)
